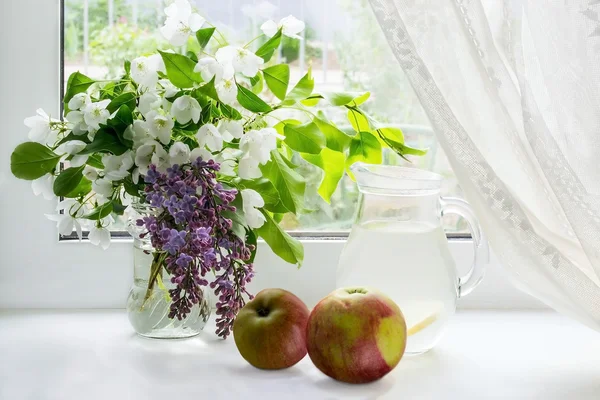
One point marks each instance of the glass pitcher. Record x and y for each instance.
(397, 245)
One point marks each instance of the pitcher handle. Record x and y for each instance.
(468, 282)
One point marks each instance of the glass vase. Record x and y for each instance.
(148, 306)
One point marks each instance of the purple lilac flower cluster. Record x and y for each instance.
(196, 237)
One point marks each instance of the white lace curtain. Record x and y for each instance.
(512, 89)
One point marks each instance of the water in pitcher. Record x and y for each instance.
(410, 262)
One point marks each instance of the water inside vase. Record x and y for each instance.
(150, 316)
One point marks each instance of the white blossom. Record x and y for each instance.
(79, 100)
(252, 202)
(227, 91)
(209, 68)
(78, 126)
(210, 136)
(103, 187)
(179, 153)
(99, 236)
(67, 221)
(149, 101)
(90, 173)
(135, 175)
(151, 152)
(95, 114)
(258, 144)
(243, 60)
(117, 167)
(159, 126)
(290, 26)
(79, 160)
(72, 147)
(227, 160)
(170, 89)
(181, 22)
(161, 160)
(44, 186)
(186, 108)
(201, 152)
(138, 133)
(40, 130)
(248, 168)
(144, 70)
(231, 129)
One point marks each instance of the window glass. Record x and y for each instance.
(342, 43)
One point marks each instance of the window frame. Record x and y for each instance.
(39, 269)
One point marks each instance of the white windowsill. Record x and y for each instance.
(484, 355)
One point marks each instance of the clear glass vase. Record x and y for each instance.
(148, 306)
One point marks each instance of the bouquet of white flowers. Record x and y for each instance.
(207, 140)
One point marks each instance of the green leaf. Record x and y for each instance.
(277, 78)
(203, 36)
(282, 244)
(264, 187)
(32, 160)
(257, 83)
(67, 181)
(413, 151)
(77, 83)
(358, 120)
(113, 89)
(268, 192)
(83, 188)
(251, 240)
(122, 119)
(127, 98)
(403, 149)
(347, 98)
(250, 101)
(229, 112)
(95, 161)
(105, 141)
(208, 89)
(268, 48)
(394, 139)
(288, 182)
(192, 56)
(302, 90)
(311, 101)
(306, 138)
(364, 147)
(118, 207)
(180, 70)
(332, 164)
(238, 218)
(100, 212)
(131, 188)
(392, 133)
(336, 139)
(127, 67)
(72, 136)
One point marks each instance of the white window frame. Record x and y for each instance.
(39, 271)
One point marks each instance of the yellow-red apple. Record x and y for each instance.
(356, 335)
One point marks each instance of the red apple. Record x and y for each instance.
(356, 335)
(270, 331)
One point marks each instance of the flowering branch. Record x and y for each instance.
(191, 136)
